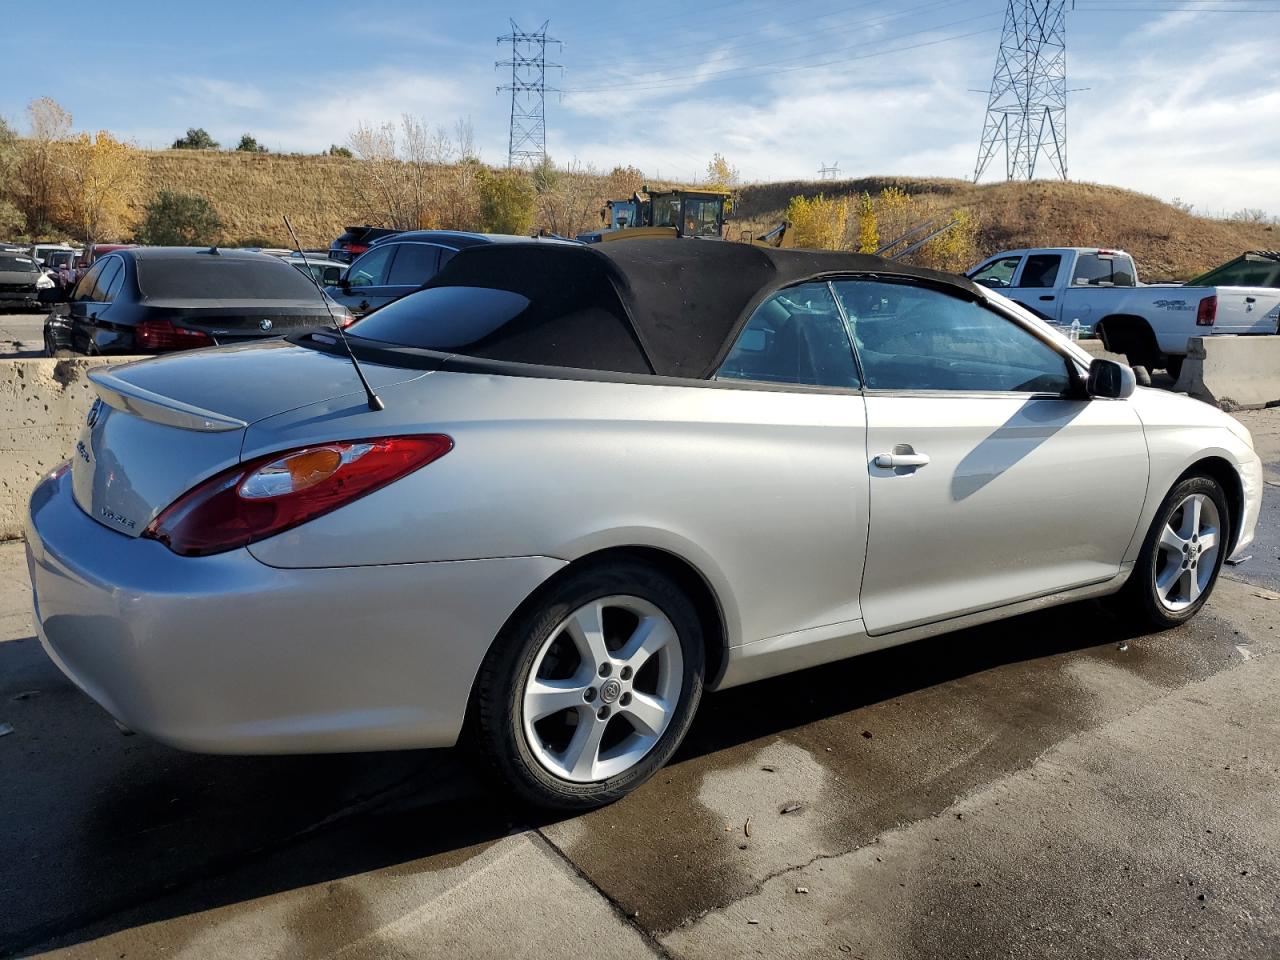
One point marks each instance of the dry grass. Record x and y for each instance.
(252, 191)
(1168, 243)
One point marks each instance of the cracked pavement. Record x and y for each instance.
(1029, 788)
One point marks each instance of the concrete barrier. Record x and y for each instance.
(43, 404)
(1233, 373)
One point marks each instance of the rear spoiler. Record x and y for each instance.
(123, 395)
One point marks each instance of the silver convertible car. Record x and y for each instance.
(587, 484)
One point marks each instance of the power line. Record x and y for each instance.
(527, 139)
(1027, 104)
(730, 73)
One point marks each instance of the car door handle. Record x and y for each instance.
(890, 460)
(1250, 299)
(1046, 298)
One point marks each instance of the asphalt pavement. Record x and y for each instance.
(22, 334)
(1051, 786)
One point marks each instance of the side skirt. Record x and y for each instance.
(818, 645)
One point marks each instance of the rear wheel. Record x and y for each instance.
(1174, 366)
(590, 692)
(1181, 556)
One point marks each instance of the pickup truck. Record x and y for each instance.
(1149, 323)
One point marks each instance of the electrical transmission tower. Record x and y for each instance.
(1027, 105)
(828, 173)
(527, 142)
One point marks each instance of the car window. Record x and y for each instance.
(110, 268)
(701, 218)
(112, 282)
(371, 269)
(85, 286)
(11, 264)
(206, 277)
(916, 338)
(997, 273)
(1041, 270)
(1103, 270)
(415, 264)
(797, 336)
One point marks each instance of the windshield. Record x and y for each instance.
(12, 264)
(442, 318)
(207, 277)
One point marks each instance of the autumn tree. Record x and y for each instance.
(819, 222)
(721, 173)
(622, 182)
(392, 183)
(868, 225)
(11, 219)
(37, 164)
(175, 219)
(101, 183)
(568, 201)
(507, 201)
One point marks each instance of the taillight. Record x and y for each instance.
(163, 335)
(1207, 312)
(271, 494)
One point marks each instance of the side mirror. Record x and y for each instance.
(1110, 380)
(345, 284)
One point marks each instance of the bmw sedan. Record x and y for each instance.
(157, 299)
(568, 489)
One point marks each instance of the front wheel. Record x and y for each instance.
(1181, 556)
(590, 692)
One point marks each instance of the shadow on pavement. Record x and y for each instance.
(102, 832)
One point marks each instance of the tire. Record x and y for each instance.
(1160, 594)
(1174, 366)
(541, 683)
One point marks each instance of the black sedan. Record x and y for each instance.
(157, 299)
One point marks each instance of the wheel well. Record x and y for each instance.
(684, 573)
(1220, 470)
(1128, 335)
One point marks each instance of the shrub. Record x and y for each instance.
(507, 201)
(248, 144)
(180, 220)
(818, 222)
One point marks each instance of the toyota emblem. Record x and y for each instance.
(265, 324)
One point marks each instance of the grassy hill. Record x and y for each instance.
(252, 191)
(1168, 243)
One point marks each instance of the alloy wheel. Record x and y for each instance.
(602, 689)
(1188, 551)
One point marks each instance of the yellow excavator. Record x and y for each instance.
(673, 213)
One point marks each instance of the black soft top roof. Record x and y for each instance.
(682, 301)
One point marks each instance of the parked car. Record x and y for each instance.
(157, 299)
(95, 250)
(20, 278)
(1150, 323)
(400, 264)
(597, 481)
(356, 240)
(328, 272)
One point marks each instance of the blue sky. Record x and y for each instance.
(1181, 102)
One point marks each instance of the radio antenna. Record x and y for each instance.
(375, 401)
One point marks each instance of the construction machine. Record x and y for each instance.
(674, 213)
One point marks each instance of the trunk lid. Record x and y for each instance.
(234, 321)
(161, 426)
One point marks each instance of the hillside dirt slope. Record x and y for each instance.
(1168, 243)
(251, 193)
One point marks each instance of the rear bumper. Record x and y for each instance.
(224, 654)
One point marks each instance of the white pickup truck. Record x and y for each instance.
(1150, 324)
